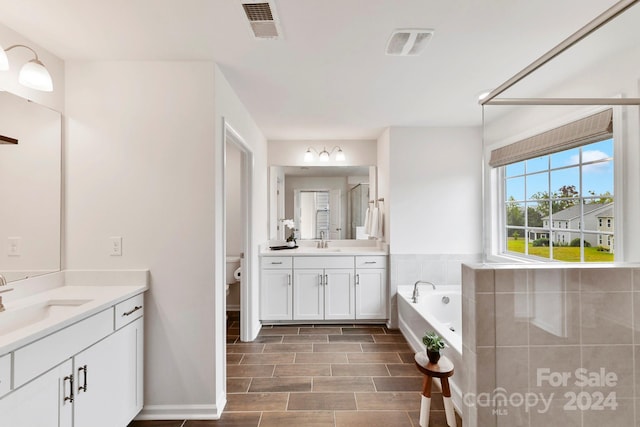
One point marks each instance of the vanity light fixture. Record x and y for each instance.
(33, 74)
(324, 155)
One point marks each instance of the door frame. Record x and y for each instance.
(248, 294)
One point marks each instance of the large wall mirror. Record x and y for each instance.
(327, 202)
(30, 188)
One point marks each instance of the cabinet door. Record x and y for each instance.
(276, 295)
(371, 293)
(308, 294)
(106, 380)
(41, 402)
(339, 294)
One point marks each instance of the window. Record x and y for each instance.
(574, 187)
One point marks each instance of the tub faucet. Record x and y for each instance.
(3, 283)
(416, 294)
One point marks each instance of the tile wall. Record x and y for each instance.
(550, 345)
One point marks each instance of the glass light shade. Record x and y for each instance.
(4, 61)
(324, 156)
(340, 155)
(308, 156)
(34, 75)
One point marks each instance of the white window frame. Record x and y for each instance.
(494, 192)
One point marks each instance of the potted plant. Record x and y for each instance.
(290, 224)
(434, 344)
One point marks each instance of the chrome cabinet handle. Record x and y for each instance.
(321, 279)
(370, 262)
(133, 310)
(289, 279)
(83, 369)
(357, 279)
(70, 397)
(326, 280)
(276, 263)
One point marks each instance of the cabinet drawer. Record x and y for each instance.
(323, 262)
(277, 262)
(42, 355)
(129, 310)
(5, 374)
(371, 262)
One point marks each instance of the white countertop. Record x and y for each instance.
(83, 300)
(330, 251)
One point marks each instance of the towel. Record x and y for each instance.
(380, 231)
(367, 221)
(374, 223)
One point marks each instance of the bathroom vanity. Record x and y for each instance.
(324, 285)
(71, 350)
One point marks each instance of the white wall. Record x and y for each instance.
(139, 164)
(233, 191)
(18, 57)
(144, 161)
(291, 153)
(230, 110)
(434, 194)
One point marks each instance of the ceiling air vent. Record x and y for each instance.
(408, 42)
(262, 19)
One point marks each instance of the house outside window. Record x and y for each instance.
(573, 187)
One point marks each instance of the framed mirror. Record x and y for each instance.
(30, 188)
(327, 202)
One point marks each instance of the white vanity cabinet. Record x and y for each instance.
(371, 287)
(106, 380)
(323, 288)
(308, 288)
(276, 288)
(88, 374)
(44, 402)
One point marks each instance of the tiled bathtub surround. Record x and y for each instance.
(532, 333)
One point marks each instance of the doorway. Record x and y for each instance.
(238, 248)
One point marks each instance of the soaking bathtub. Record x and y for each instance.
(440, 311)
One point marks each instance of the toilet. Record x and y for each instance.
(233, 272)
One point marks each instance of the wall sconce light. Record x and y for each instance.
(324, 155)
(33, 74)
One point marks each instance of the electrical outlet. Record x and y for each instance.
(14, 246)
(116, 246)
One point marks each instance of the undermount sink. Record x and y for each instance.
(323, 249)
(14, 319)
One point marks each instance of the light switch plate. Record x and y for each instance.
(116, 246)
(14, 246)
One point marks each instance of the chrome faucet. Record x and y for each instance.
(416, 294)
(3, 283)
(321, 242)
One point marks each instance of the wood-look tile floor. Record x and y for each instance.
(320, 375)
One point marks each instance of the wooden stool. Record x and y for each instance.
(443, 370)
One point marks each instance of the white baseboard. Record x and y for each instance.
(182, 412)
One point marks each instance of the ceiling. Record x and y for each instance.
(328, 77)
